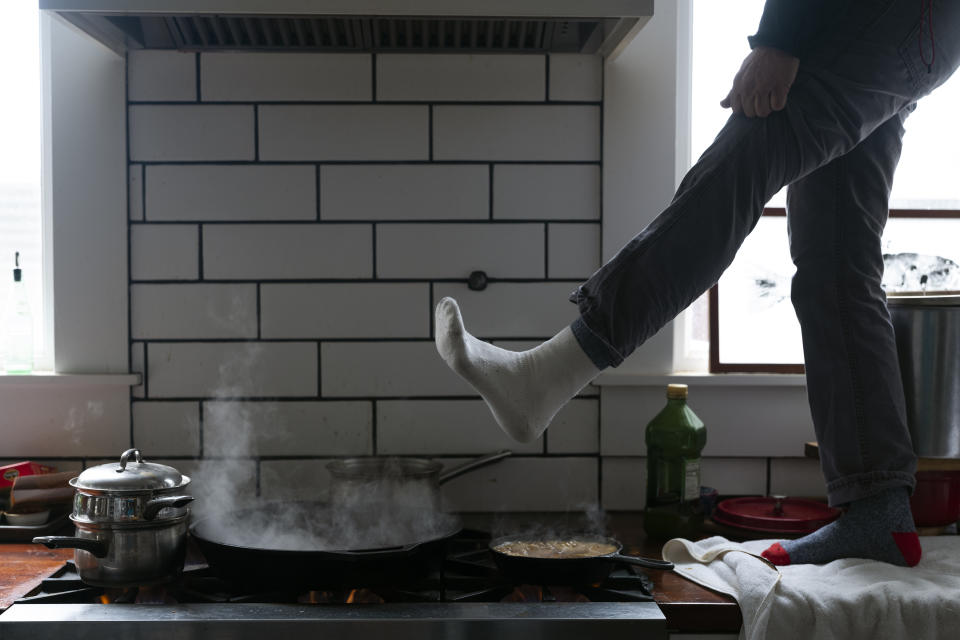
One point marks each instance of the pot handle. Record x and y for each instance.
(98, 548)
(154, 506)
(482, 461)
(649, 563)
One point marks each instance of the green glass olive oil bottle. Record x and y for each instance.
(675, 437)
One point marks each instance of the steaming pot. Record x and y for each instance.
(131, 521)
(409, 482)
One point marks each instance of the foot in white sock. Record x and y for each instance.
(524, 390)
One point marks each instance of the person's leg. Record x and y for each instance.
(861, 80)
(836, 217)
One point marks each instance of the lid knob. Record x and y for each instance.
(125, 456)
(677, 391)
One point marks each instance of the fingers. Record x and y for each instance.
(762, 105)
(778, 98)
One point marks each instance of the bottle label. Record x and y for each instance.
(691, 479)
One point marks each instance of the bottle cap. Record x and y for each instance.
(677, 391)
(17, 273)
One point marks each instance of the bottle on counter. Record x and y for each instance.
(675, 437)
(17, 326)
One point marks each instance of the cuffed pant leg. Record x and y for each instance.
(836, 217)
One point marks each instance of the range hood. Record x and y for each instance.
(509, 26)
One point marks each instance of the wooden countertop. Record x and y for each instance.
(686, 605)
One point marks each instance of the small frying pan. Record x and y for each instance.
(569, 570)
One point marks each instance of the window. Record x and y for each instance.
(21, 228)
(752, 326)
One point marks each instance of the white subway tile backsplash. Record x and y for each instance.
(288, 251)
(512, 309)
(460, 77)
(780, 426)
(624, 483)
(576, 428)
(391, 369)
(404, 192)
(166, 428)
(356, 132)
(516, 132)
(232, 369)
(231, 192)
(218, 485)
(278, 76)
(798, 477)
(164, 252)
(354, 310)
(735, 476)
(455, 250)
(297, 428)
(576, 77)
(573, 250)
(442, 427)
(135, 191)
(163, 133)
(193, 311)
(546, 191)
(525, 484)
(302, 479)
(155, 75)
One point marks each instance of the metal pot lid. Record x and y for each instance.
(924, 299)
(130, 476)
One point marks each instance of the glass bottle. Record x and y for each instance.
(675, 437)
(17, 326)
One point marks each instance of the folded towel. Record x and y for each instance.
(844, 599)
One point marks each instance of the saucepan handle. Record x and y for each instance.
(154, 506)
(98, 548)
(649, 563)
(459, 470)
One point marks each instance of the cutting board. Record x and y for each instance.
(24, 566)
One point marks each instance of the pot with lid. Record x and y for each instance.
(131, 523)
(927, 328)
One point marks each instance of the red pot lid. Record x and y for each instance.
(774, 515)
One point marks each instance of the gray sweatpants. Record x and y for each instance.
(836, 144)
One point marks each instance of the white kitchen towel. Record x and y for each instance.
(843, 600)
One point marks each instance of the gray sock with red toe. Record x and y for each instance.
(879, 527)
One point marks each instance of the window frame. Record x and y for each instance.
(715, 364)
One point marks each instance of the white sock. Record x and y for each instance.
(524, 390)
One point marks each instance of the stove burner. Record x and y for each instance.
(469, 574)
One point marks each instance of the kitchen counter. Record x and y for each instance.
(687, 606)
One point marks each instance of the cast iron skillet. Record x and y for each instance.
(566, 571)
(263, 568)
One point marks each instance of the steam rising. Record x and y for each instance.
(387, 509)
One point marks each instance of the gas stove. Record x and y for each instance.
(465, 597)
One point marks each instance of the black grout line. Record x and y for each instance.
(256, 133)
(373, 78)
(143, 191)
(335, 161)
(433, 303)
(430, 132)
(126, 124)
(197, 63)
(546, 250)
(309, 222)
(318, 192)
(490, 190)
(373, 425)
(546, 83)
(200, 251)
(386, 105)
(259, 314)
(200, 426)
(768, 478)
(146, 378)
(240, 341)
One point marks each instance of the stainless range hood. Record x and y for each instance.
(509, 26)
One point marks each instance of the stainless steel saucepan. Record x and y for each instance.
(131, 523)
